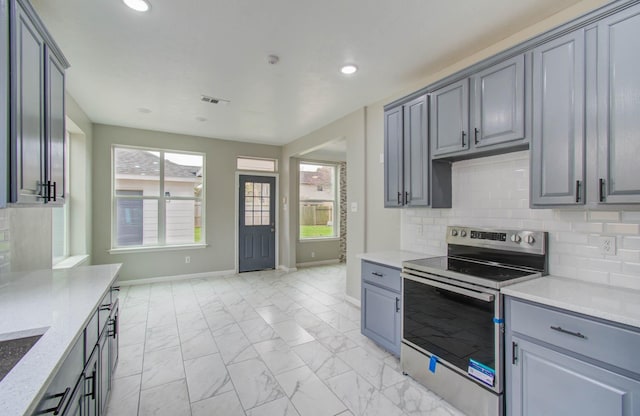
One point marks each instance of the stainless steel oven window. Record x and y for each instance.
(454, 323)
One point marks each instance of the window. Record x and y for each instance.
(158, 198)
(256, 164)
(318, 200)
(60, 224)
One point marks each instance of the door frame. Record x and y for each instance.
(237, 215)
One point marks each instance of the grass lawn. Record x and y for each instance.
(311, 231)
(197, 234)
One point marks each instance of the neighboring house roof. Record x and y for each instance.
(141, 162)
(320, 177)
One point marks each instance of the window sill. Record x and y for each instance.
(156, 248)
(71, 262)
(318, 240)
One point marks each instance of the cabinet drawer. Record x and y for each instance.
(603, 342)
(383, 276)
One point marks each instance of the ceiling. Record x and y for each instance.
(149, 70)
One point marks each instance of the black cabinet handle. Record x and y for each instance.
(564, 331)
(463, 136)
(397, 304)
(93, 386)
(105, 307)
(577, 191)
(377, 274)
(406, 197)
(475, 138)
(514, 353)
(115, 288)
(47, 194)
(399, 198)
(63, 397)
(55, 192)
(601, 189)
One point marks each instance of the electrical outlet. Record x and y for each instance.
(608, 246)
(313, 254)
(187, 259)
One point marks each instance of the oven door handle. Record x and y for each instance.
(486, 297)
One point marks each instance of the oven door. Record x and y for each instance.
(461, 324)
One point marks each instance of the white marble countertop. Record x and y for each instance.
(55, 303)
(393, 258)
(606, 302)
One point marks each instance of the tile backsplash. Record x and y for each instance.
(5, 249)
(494, 192)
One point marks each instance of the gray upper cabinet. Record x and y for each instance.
(558, 143)
(498, 104)
(4, 96)
(406, 154)
(28, 115)
(55, 127)
(393, 168)
(450, 119)
(482, 114)
(619, 108)
(36, 109)
(416, 153)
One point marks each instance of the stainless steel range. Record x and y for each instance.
(452, 320)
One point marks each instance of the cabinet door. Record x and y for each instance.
(498, 103)
(28, 118)
(104, 372)
(4, 121)
(91, 384)
(450, 118)
(619, 108)
(393, 170)
(416, 153)
(381, 317)
(546, 382)
(114, 337)
(558, 143)
(55, 127)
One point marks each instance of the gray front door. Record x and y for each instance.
(257, 223)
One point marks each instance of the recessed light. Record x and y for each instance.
(138, 5)
(349, 69)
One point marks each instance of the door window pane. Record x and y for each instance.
(257, 203)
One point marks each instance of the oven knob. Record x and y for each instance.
(454, 232)
(530, 239)
(463, 233)
(516, 238)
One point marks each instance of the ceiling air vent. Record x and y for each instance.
(212, 100)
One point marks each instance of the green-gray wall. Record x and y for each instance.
(220, 191)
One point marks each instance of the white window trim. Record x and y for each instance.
(336, 202)
(161, 198)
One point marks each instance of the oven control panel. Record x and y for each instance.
(516, 240)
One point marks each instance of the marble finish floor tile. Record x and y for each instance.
(166, 400)
(226, 404)
(206, 377)
(309, 394)
(268, 343)
(254, 383)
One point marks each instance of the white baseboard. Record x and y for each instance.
(174, 278)
(287, 269)
(352, 300)
(318, 263)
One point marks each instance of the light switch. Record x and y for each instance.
(354, 207)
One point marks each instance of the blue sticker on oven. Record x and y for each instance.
(481, 372)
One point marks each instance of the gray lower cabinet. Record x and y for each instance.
(558, 144)
(407, 173)
(618, 108)
(82, 385)
(36, 109)
(4, 96)
(381, 305)
(561, 363)
(481, 114)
